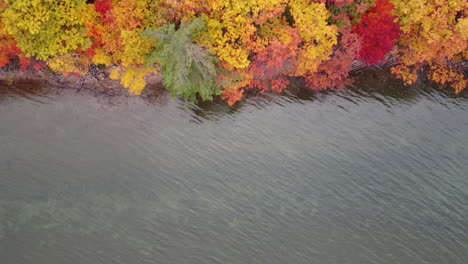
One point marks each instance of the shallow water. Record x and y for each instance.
(374, 174)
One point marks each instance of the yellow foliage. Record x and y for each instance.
(121, 43)
(442, 74)
(120, 33)
(318, 36)
(132, 78)
(407, 74)
(69, 63)
(435, 32)
(134, 48)
(274, 29)
(232, 26)
(46, 28)
(102, 57)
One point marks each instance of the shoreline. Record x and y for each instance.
(43, 83)
(99, 84)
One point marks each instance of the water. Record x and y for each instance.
(374, 174)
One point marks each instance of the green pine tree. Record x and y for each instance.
(188, 69)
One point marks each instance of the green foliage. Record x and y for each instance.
(187, 68)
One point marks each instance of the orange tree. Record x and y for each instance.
(435, 38)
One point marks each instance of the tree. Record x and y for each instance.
(378, 32)
(318, 36)
(8, 48)
(232, 26)
(435, 38)
(46, 28)
(271, 65)
(188, 69)
(115, 26)
(334, 72)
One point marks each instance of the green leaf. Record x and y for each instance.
(188, 69)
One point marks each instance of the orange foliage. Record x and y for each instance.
(8, 49)
(436, 31)
(270, 65)
(334, 73)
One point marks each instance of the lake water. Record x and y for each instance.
(374, 174)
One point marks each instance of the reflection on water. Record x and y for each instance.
(373, 174)
(29, 89)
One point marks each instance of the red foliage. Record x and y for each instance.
(95, 34)
(334, 73)
(30, 63)
(38, 65)
(103, 6)
(24, 63)
(378, 31)
(8, 49)
(270, 65)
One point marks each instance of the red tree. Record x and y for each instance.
(378, 31)
(270, 66)
(8, 49)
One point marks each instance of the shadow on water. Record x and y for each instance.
(26, 88)
(372, 86)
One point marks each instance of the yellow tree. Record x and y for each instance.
(436, 35)
(318, 36)
(232, 26)
(46, 28)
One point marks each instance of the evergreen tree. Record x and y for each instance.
(187, 68)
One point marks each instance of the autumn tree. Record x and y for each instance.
(8, 49)
(435, 38)
(334, 72)
(272, 64)
(264, 42)
(232, 34)
(378, 32)
(46, 28)
(232, 26)
(115, 28)
(318, 36)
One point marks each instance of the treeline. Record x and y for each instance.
(222, 47)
